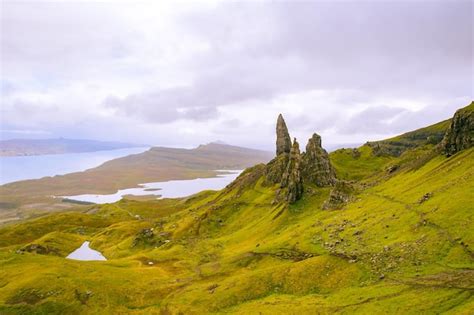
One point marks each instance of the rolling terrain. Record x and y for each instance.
(29, 198)
(386, 228)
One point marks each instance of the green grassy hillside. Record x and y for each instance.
(402, 245)
(424, 136)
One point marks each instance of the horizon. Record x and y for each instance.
(236, 157)
(268, 148)
(188, 74)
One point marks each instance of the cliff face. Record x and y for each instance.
(460, 134)
(292, 170)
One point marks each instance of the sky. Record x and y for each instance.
(181, 74)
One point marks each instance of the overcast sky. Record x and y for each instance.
(181, 74)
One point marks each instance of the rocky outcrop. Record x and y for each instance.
(283, 142)
(291, 170)
(292, 181)
(276, 168)
(39, 249)
(316, 167)
(149, 237)
(340, 195)
(460, 134)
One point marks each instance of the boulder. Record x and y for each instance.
(340, 195)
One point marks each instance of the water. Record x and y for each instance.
(169, 189)
(15, 168)
(86, 253)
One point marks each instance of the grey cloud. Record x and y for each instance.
(260, 51)
(168, 105)
(394, 120)
(59, 41)
(252, 54)
(6, 87)
(395, 47)
(372, 120)
(219, 87)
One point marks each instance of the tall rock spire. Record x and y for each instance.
(283, 142)
(291, 170)
(292, 180)
(316, 167)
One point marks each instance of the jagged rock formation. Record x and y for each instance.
(460, 134)
(283, 142)
(291, 170)
(339, 196)
(292, 182)
(316, 167)
(276, 168)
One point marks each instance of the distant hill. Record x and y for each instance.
(19, 147)
(156, 164)
(395, 146)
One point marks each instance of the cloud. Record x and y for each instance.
(373, 119)
(393, 120)
(218, 70)
(260, 52)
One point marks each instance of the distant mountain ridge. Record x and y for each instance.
(21, 147)
(155, 164)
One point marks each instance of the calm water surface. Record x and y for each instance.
(86, 253)
(15, 168)
(169, 189)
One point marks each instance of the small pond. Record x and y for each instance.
(86, 253)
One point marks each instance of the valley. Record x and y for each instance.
(384, 228)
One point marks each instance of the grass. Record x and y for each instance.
(431, 135)
(358, 164)
(402, 246)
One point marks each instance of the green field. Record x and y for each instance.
(402, 245)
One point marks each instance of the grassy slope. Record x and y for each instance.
(395, 146)
(236, 252)
(357, 164)
(33, 197)
(374, 157)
